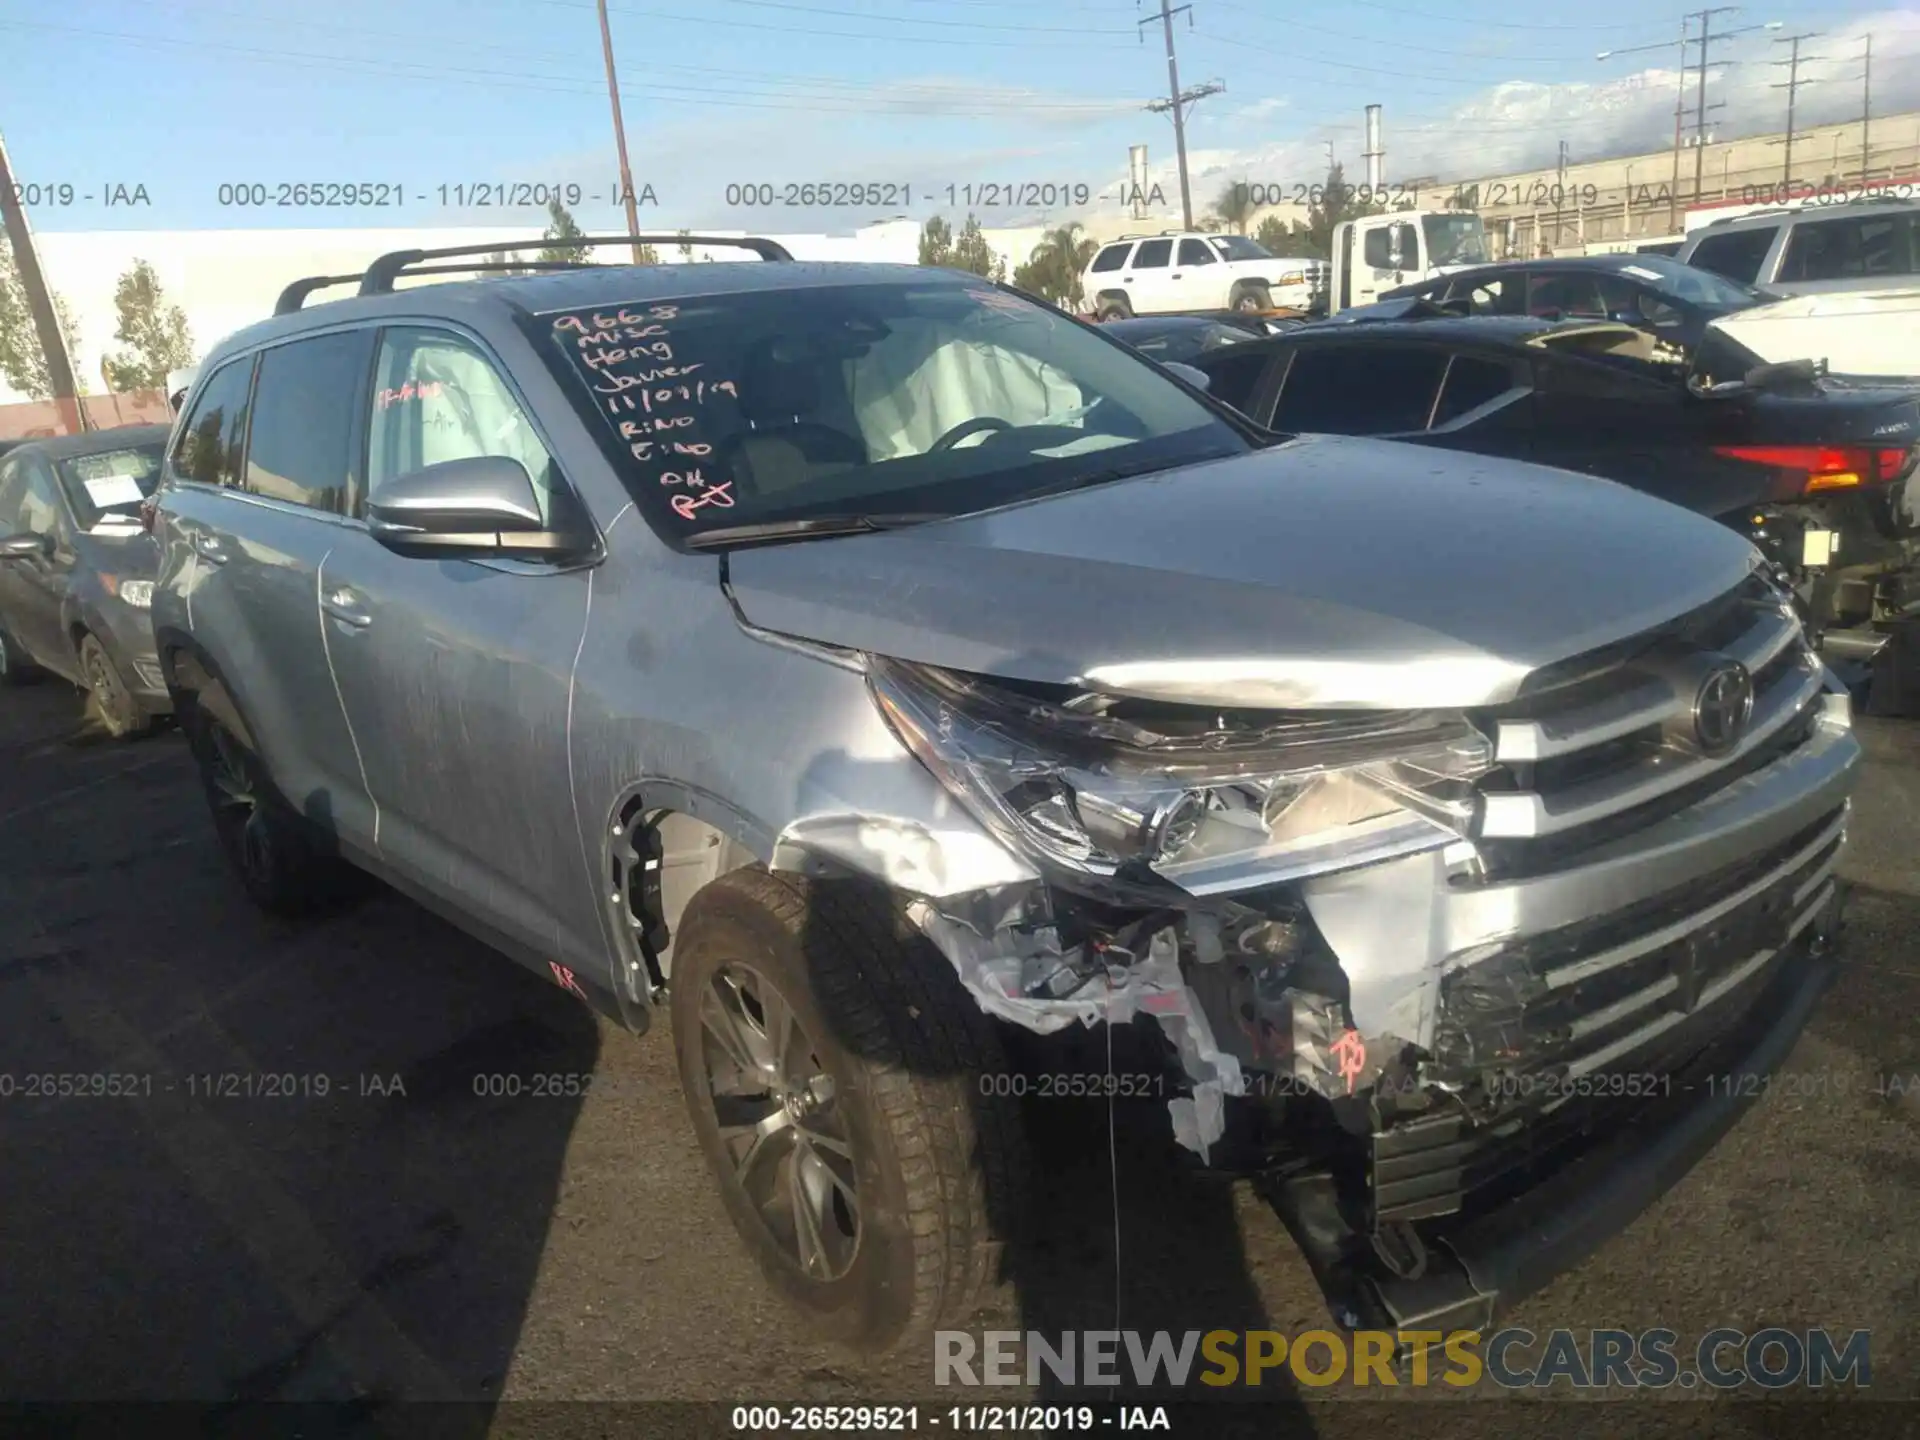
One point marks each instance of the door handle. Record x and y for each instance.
(1126, 279)
(1174, 276)
(208, 547)
(346, 607)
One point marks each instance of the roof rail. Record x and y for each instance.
(383, 272)
(294, 296)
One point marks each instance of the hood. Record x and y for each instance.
(1323, 572)
(121, 547)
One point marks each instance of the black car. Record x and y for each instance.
(1818, 472)
(1675, 302)
(77, 569)
(1179, 338)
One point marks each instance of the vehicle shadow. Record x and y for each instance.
(273, 1161)
(1119, 1229)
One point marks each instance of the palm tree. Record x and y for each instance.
(1053, 270)
(1235, 206)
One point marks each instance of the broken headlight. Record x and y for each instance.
(1090, 788)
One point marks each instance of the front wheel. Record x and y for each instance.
(1252, 299)
(833, 1068)
(120, 714)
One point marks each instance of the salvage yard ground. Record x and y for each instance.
(408, 1234)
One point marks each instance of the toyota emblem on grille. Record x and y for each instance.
(1722, 706)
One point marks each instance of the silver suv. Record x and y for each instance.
(859, 661)
(1871, 244)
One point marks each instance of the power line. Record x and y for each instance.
(1792, 86)
(1292, 24)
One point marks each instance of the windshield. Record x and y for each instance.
(1239, 247)
(1695, 287)
(927, 397)
(1455, 239)
(113, 482)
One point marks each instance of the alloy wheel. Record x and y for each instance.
(107, 690)
(780, 1121)
(237, 810)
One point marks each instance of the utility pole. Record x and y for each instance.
(1705, 42)
(620, 133)
(1177, 100)
(1560, 197)
(1679, 107)
(46, 319)
(1866, 110)
(1792, 87)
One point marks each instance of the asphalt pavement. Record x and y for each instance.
(316, 1167)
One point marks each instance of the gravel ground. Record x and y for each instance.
(403, 1235)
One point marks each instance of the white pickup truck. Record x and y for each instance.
(1187, 271)
(1380, 252)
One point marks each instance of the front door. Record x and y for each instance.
(33, 588)
(457, 674)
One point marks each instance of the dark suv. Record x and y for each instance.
(76, 569)
(858, 660)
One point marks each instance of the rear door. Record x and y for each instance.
(1147, 281)
(266, 459)
(457, 674)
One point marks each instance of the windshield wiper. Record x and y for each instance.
(807, 527)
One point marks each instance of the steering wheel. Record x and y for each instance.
(965, 428)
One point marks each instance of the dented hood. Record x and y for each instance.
(1321, 572)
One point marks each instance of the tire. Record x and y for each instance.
(120, 714)
(921, 1179)
(1249, 298)
(14, 667)
(270, 848)
(1115, 309)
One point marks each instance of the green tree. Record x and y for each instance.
(22, 361)
(1287, 238)
(1053, 269)
(968, 251)
(686, 248)
(561, 227)
(1337, 203)
(155, 333)
(1235, 206)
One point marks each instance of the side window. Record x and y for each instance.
(1470, 383)
(1858, 246)
(1487, 297)
(1111, 258)
(1552, 296)
(1738, 254)
(305, 406)
(437, 396)
(1152, 255)
(1195, 252)
(40, 500)
(1235, 378)
(1361, 390)
(13, 476)
(210, 443)
(1377, 250)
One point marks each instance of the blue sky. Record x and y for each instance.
(181, 96)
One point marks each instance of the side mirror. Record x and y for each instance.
(26, 546)
(464, 509)
(1192, 374)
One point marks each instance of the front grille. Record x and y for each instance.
(1616, 745)
(1544, 1039)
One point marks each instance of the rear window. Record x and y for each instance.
(1852, 247)
(1111, 258)
(1738, 254)
(1471, 383)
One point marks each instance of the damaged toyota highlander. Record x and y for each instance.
(865, 664)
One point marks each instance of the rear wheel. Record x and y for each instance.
(1114, 309)
(270, 848)
(832, 1066)
(120, 714)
